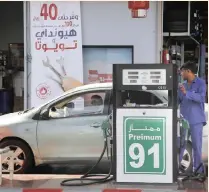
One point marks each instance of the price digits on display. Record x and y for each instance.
(144, 145)
(49, 11)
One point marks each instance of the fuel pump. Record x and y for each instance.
(144, 136)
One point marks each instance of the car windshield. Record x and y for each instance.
(163, 95)
(165, 98)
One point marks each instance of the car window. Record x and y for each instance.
(138, 97)
(88, 103)
(144, 97)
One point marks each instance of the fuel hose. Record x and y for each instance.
(88, 178)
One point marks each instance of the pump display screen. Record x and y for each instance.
(155, 77)
(155, 72)
(144, 77)
(133, 73)
(133, 77)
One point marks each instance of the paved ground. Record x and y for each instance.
(53, 181)
(46, 176)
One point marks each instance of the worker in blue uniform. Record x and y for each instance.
(191, 97)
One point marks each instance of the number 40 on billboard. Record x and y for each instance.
(50, 11)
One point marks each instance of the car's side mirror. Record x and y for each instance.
(44, 114)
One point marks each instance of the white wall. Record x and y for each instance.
(103, 23)
(110, 23)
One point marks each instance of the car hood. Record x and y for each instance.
(11, 118)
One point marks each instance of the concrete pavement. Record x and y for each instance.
(21, 182)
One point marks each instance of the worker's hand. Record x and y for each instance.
(182, 88)
(70, 83)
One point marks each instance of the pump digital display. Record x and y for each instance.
(155, 81)
(155, 72)
(133, 81)
(133, 77)
(133, 73)
(144, 77)
(155, 77)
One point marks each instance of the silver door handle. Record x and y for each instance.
(95, 125)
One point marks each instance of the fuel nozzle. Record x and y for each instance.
(183, 122)
(107, 127)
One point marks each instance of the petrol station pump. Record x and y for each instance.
(141, 138)
(144, 136)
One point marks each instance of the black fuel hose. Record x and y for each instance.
(88, 177)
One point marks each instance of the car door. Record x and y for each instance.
(77, 136)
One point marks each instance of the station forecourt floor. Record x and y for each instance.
(53, 182)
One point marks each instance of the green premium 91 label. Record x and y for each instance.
(144, 145)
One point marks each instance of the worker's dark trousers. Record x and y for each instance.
(196, 136)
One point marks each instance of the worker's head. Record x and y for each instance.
(188, 70)
(96, 100)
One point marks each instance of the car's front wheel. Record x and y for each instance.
(21, 153)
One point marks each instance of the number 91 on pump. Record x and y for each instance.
(145, 148)
(144, 145)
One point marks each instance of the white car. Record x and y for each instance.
(68, 128)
